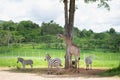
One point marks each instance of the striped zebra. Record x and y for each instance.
(56, 62)
(25, 62)
(88, 61)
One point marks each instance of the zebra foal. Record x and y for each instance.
(88, 61)
(56, 62)
(25, 62)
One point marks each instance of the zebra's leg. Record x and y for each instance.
(87, 65)
(23, 66)
(58, 68)
(49, 69)
(91, 66)
(31, 66)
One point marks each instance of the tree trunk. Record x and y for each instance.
(69, 22)
(71, 18)
(66, 31)
(66, 16)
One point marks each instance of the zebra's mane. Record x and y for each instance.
(20, 59)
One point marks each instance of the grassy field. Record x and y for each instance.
(100, 58)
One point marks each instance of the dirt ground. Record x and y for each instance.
(41, 74)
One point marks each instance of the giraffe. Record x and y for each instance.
(72, 50)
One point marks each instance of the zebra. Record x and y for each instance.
(25, 62)
(88, 61)
(56, 62)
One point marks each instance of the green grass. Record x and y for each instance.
(112, 72)
(100, 58)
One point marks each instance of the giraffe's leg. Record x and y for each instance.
(78, 66)
(76, 63)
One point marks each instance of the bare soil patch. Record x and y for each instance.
(41, 74)
(72, 72)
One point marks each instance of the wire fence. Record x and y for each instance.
(102, 60)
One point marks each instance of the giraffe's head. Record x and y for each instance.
(59, 36)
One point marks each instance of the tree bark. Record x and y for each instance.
(69, 22)
(66, 16)
(66, 31)
(71, 18)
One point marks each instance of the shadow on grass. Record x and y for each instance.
(111, 72)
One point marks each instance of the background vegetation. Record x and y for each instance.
(29, 40)
(29, 32)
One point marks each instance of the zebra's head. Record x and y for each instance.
(47, 57)
(90, 57)
(19, 59)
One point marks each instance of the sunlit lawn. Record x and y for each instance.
(100, 59)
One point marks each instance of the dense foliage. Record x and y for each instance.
(27, 31)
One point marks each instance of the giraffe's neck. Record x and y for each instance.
(67, 41)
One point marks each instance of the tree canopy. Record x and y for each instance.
(27, 31)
